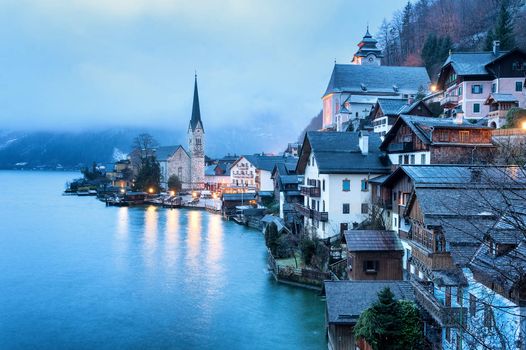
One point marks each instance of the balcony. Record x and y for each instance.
(498, 114)
(445, 316)
(302, 210)
(320, 215)
(309, 190)
(400, 147)
(449, 101)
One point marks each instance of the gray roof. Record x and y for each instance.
(346, 300)
(239, 196)
(165, 152)
(372, 240)
(339, 153)
(439, 174)
(210, 170)
(502, 97)
(392, 106)
(264, 162)
(351, 77)
(471, 63)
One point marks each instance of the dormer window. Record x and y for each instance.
(395, 88)
(364, 88)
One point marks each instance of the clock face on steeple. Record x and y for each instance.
(370, 58)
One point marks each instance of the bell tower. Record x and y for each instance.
(196, 144)
(368, 53)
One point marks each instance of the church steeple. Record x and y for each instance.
(196, 112)
(368, 52)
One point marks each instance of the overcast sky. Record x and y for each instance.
(82, 63)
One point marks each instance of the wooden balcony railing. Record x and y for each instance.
(320, 215)
(450, 100)
(498, 114)
(302, 210)
(311, 191)
(445, 316)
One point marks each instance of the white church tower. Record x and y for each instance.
(196, 145)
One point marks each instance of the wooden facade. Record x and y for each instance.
(375, 265)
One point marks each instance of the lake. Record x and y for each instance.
(76, 274)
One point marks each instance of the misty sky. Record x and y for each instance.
(67, 64)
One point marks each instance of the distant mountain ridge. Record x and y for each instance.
(71, 150)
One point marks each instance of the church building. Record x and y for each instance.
(354, 88)
(188, 166)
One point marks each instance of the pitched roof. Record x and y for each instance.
(196, 111)
(165, 152)
(424, 126)
(471, 63)
(496, 97)
(239, 196)
(372, 240)
(346, 300)
(392, 106)
(264, 162)
(387, 79)
(339, 153)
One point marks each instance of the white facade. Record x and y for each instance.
(243, 174)
(332, 199)
(418, 158)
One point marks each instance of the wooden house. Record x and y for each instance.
(424, 140)
(386, 111)
(374, 255)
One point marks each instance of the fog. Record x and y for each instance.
(262, 65)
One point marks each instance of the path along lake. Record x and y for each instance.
(75, 274)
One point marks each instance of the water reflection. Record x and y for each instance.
(151, 220)
(193, 239)
(172, 237)
(121, 237)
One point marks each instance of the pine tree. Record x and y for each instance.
(504, 27)
(390, 324)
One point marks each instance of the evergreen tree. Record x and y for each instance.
(504, 27)
(390, 324)
(174, 184)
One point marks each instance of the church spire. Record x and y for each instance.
(196, 112)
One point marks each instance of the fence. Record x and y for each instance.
(299, 276)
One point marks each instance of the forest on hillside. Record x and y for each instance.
(424, 31)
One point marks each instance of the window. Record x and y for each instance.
(464, 136)
(488, 316)
(493, 87)
(365, 208)
(365, 185)
(448, 334)
(476, 107)
(370, 266)
(323, 205)
(395, 222)
(460, 296)
(346, 208)
(459, 91)
(400, 159)
(198, 141)
(406, 159)
(472, 304)
(422, 159)
(412, 159)
(323, 185)
(518, 86)
(346, 185)
(476, 89)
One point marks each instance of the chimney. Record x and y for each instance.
(496, 47)
(476, 175)
(363, 142)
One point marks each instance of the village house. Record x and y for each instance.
(286, 190)
(374, 255)
(454, 240)
(337, 167)
(345, 302)
(354, 89)
(387, 110)
(467, 79)
(253, 172)
(217, 174)
(424, 140)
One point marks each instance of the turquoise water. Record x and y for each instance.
(75, 274)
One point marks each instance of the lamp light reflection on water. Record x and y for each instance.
(172, 236)
(151, 221)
